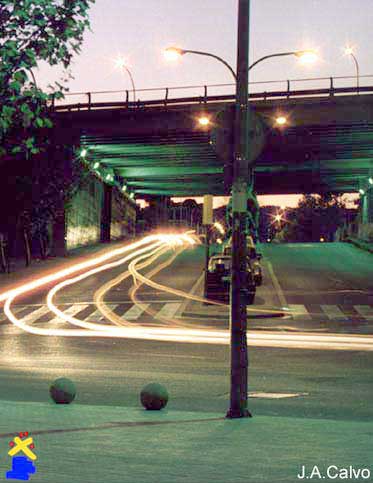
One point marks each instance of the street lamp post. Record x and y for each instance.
(242, 178)
(121, 64)
(350, 51)
(132, 81)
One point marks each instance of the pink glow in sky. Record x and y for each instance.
(139, 31)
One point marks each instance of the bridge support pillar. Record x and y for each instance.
(368, 207)
(106, 214)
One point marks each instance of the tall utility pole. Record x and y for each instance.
(241, 177)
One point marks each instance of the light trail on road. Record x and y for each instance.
(89, 325)
(99, 330)
(149, 249)
(100, 293)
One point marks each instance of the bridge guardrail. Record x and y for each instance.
(204, 94)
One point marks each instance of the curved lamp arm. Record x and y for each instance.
(207, 54)
(281, 54)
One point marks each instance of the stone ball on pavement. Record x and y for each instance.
(62, 391)
(154, 396)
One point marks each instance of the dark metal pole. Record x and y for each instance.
(207, 255)
(241, 173)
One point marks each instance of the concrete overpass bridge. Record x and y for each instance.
(157, 147)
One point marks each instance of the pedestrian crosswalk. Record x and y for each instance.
(134, 312)
(331, 312)
(299, 312)
(35, 314)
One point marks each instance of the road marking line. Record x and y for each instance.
(15, 311)
(299, 312)
(193, 290)
(97, 316)
(276, 395)
(35, 315)
(168, 310)
(364, 311)
(277, 285)
(333, 312)
(135, 311)
(73, 310)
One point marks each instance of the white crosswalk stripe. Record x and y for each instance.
(364, 311)
(73, 310)
(135, 311)
(299, 312)
(15, 310)
(333, 312)
(97, 316)
(169, 310)
(35, 315)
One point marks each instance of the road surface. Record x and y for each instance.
(322, 383)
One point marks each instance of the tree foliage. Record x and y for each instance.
(34, 31)
(31, 32)
(315, 217)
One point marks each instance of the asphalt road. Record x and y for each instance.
(328, 384)
(329, 286)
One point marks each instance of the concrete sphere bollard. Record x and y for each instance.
(62, 391)
(154, 396)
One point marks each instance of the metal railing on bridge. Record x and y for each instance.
(213, 93)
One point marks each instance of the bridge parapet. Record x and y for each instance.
(215, 93)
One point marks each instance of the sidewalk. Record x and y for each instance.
(94, 444)
(364, 245)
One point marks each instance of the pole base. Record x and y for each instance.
(238, 413)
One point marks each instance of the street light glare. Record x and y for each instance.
(278, 218)
(172, 53)
(370, 180)
(307, 56)
(204, 121)
(281, 120)
(120, 63)
(361, 191)
(349, 50)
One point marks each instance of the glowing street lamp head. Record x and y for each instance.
(83, 153)
(307, 56)
(281, 120)
(278, 218)
(203, 121)
(370, 180)
(120, 63)
(361, 191)
(349, 50)
(172, 53)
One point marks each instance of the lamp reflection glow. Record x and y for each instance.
(172, 53)
(281, 120)
(204, 121)
(307, 56)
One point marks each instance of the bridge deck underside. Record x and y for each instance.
(296, 160)
(327, 146)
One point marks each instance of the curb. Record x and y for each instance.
(360, 244)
